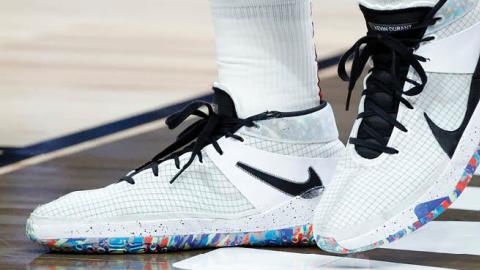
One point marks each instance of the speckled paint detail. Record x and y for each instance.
(331, 245)
(296, 236)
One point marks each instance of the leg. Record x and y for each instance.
(266, 54)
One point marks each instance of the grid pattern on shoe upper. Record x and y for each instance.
(333, 193)
(311, 150)
(358, 193)
(467, 21)
(200, 189)
(445, 98)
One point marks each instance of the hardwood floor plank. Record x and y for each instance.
(460, 215)
(475, 182)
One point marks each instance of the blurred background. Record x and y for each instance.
(84, 86)
(71, 65)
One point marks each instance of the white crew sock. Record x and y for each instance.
(396, 4)
(266, 54)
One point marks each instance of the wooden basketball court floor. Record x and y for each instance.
(84, 88)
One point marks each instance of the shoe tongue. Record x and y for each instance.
(224, 103)
(398, 23)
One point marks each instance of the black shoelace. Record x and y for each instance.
(194, 138)
(398, 49)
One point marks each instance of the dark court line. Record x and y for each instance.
(328, 62)
(9, 155)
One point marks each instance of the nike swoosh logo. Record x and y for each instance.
(285, 185)
(449, 139)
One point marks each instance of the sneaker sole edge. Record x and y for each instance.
(330, 244)
(293, 236)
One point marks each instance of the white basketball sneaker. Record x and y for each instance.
(414, 146)
(225, 182)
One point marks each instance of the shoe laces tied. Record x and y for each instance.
(205, 131)
(398, 49)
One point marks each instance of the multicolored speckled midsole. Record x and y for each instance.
(295, 236)
(331, 245)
